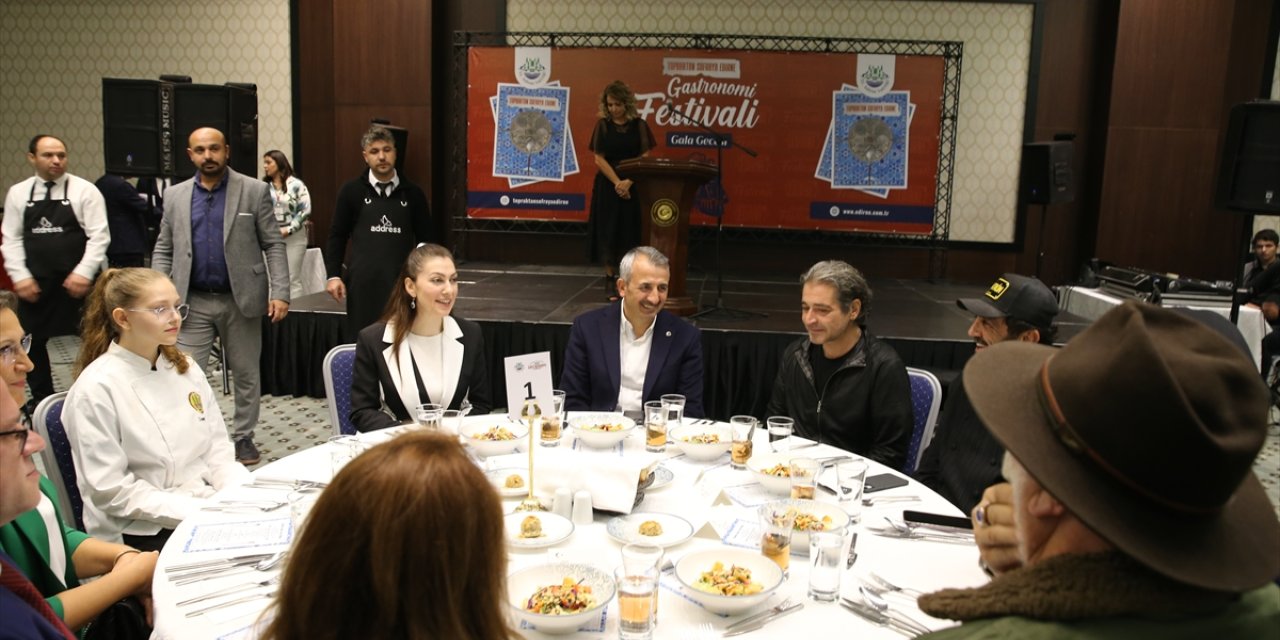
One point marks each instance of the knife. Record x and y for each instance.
(757, 616)
(763, 621)
(881, 619)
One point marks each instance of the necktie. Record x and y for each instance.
(48, 190)
(12, 579)
(384, 189)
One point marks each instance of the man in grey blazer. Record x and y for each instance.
(215, 230)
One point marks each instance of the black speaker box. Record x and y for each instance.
(1249, 174)
(233, 110)
(137, 118)
(1046, 176)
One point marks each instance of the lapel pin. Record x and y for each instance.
(668, 334)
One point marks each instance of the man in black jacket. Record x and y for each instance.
(842, 386)
(964, 459)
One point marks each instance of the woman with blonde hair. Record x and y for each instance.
(406, 542)
(614, 225)
(53, 555)
(149, 442)
(420, 353)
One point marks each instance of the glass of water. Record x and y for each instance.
(427, 416)
(780, 430)
(826, 553)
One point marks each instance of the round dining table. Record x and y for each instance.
(252, 523)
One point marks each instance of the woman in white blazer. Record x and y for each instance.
(419, 353)
(148, 440)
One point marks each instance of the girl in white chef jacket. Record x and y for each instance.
(148, 439)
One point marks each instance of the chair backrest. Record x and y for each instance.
(926, 397)
(56, 456)
(339, 369)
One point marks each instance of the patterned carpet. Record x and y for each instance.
(287, 424)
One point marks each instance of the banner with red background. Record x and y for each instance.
(779, 104)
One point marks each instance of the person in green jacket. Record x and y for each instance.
(53, 555)
(1137, 514)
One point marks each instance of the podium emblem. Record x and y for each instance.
(664, 212)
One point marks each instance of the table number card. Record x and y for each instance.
(529, 377)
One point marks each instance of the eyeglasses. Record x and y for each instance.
(20, 434)
(9, 352)
(163, 312)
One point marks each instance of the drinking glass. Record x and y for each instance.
(451, 420)
(640, 558)
(655, 426)
(342, 449)
(300, 503)
(427, 416)
(742, 428)
(637, 595)
(850, 477)
(825, 558)
(804, 478)
(777, 518)
(553, 424)
(780, 430)
(673, 407)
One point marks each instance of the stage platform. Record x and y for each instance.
(528, 308)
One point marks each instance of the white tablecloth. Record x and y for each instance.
(920, 564)
(1092, 303)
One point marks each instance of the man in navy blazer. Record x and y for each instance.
(626, 354)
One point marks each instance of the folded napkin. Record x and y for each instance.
(611, 476)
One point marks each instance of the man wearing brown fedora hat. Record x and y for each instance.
(1137, 513)
(963, 459)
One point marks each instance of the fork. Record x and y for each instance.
(704, 631)
(906, 591)
(786, 602)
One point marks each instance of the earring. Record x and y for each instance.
(413, 303)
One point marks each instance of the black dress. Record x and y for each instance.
(614, 225)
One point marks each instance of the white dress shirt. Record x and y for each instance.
(633, 358)
(150, 445)
(395, 181)
(90, 210)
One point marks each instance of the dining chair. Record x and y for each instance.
(56, 456)
(339, 369)
(926, 398)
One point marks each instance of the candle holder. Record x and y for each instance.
(530, 413)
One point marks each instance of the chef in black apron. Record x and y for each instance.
(384, 233)
(55, 244)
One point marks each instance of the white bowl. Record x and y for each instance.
(763, 570)
(581, 423)
(780, 485)
(524, 583)
(701, 451)
(800, 538)
(488, 448)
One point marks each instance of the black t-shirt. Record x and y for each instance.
(823, 367)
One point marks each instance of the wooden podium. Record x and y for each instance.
(665, 189)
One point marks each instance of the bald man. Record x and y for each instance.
(216, 228)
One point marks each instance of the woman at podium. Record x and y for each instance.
(614, 225)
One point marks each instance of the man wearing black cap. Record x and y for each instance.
(963, 459)
(1137, 512)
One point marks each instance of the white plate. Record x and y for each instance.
(626, 529)
(498, 478)
(555, 529)
(579, 420)
(662, 477)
